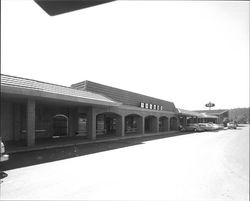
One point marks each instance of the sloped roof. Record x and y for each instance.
(29, 87)
(195, 114)
(213, 112)
(189, 113)
(124, 96)
(204, 115)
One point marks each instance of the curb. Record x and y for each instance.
(38, 148)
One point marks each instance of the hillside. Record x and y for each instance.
(241, 115)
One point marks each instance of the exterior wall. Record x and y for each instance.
(46, 113)
(7, 121)
(123, 112)
(123, 96)
(223, 116)
(14, 119)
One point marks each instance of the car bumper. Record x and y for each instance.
(4, 157)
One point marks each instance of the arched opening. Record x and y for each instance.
(150, 124)
(173, 124)
(60, 125)
(133, 124)
(108, 124)
(82, 125)
(163, 124)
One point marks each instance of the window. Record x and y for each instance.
(82, 123)
(142, 105)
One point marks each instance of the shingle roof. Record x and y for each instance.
(212, 112)
(42, 88)
(195, 114)
(188, 112)
(204, 115)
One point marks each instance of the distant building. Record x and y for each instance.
(221, 114)
(187, 117)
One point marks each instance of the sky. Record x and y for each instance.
(186, 52)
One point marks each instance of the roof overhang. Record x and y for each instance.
(183, 112)
(204, 115)
(188, 113)
(43, 95)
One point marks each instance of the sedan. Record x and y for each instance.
(192, 127)
(231, 125)
(4, 157)
(209, 126)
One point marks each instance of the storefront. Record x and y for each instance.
(189, 117)
(31, 110)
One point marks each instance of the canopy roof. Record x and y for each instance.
(213, 112)
(195, 114)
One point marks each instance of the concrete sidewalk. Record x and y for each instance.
(73, 141)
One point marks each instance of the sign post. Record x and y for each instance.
(210, 105)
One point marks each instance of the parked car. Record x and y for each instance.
(4, 157)
(209, 126)
(231, 125)
(221, 126)
(192, 127)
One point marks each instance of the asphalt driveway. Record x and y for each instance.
(203, 166)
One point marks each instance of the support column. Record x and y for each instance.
(177, 123)
(73, 121)
(17, 122)
(184, 121)
(91, 116)
(140, 125)
(165, 124)
(155, 124)
(168, 122)
(31, 115)
(121, 126)
(157, 130)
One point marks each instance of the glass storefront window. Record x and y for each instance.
(82, 123)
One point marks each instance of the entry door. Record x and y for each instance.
(110, 125)
(60, 126)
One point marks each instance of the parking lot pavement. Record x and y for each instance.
(203, 166)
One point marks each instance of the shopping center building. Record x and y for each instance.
(32, 109)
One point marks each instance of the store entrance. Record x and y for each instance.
(106, 124)
(110, 125)
(60, 125)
